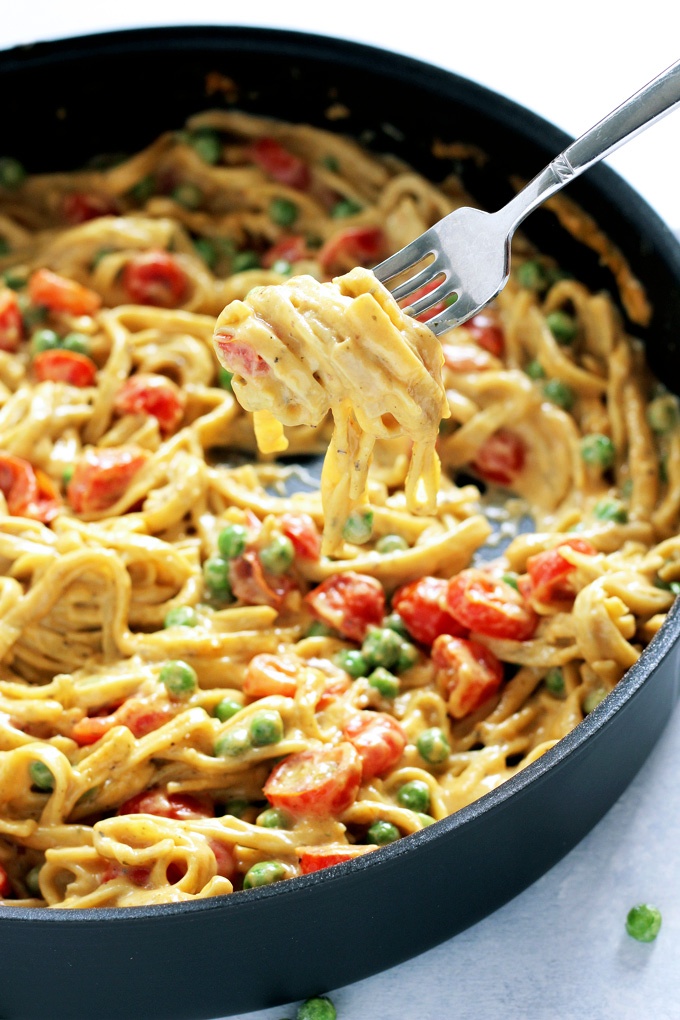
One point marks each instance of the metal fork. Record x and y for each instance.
(469, 250)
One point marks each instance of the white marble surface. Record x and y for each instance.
(559, 951)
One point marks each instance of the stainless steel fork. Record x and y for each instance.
(469, 250)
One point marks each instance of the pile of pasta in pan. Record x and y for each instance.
(216, 673)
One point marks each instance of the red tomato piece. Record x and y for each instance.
(349, 603)
(379, 739)
(468, 674)
(253, 586)
(79, 207)
(303, 533)
(422, 606)
(65, 366)
(490, 606)
(154, 395)
(353, 246)
(242, 359)
(466, 358)
(280, 164)
(137, 875)
(550, 572)
(11, 322)
(487, 332)
(271, 674)
(314, 858)
(139, 717)
(500, 458)
(155, 278)
(224, 858)
(103, 475)
(418, 294)
(318, 783)
(60, 294)
(29, 492)
(180, 806)
(5, 884)
(290, 249)
(334, 689)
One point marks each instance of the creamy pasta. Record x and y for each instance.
(215, 673)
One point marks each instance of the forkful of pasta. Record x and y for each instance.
(464, 259)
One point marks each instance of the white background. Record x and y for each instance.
(559, 951)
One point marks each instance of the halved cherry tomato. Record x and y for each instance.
(467, 673)
(487, 332)
(224, 858)
(138, 875)
(303, 533)
(11, 322)
(180, 806)
(422, 606)
(379, 739)
(252, 585)
(500, 458)
(139, 717)
(65, 366)
(269, 674)
(155, 395)
(314, 858)
(101, 477)
(29, 492)
(549, 572)
(465, 358)
(60, 294)
(490, 606)
(155, 278)
(278, 163)
(418, 294)
(79, 207)
(349, 603)
(5, 884)
(290, 249)
(320, 782)
(353, 246)
(242, 359)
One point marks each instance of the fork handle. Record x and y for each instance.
(652, 102)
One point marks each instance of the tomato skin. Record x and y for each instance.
(268, 673)
(101, 477)
(224, 858)
(334, 689)
(314, 858)
(468, 674)
(379, 740)
(139, 717)
(422, 606)
(79, 207)
(154, 395)
(487, 332)
(5, 884)
(139, 875)
(180, 806)
(549, 572)
(239, 358)
(490, 606)
(349, 603)
(303, 533)
(11, 321)
(252, 585)
(65, 366)
(60, 294)
(279, 164)
(351, 247)
(155, 278)
(291, 249)
(318, 783)
(29, 492)
(500, 458)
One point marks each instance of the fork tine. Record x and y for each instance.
(427, 275)
(406, 258)
(458, 313)
(434, 297)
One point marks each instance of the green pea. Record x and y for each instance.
(41, 775)
(32, 881)
(331, 163)
(395, 622)
(236, 807)
(593, 699)
(391, 543)
(207, 144)
(559, 393)
(216, 578)
(381, 647)
(244, 260)
(266, 727)
(643, 922)
(12, 173)
(273, 818)
(319, 1008)
(414, 795)
(358, 526)
(663, 414)
(345, 207)
(563, 326)
(14, 280)
(319, 629)
(143, 190)
(384, 682)
(263, 873)
(532, 275)
(181, 616)
(352, 661)
(232, 541)
(277, 555)
(224, 378)
(226, 708)
(67, 474)
(188, 195)
(433, 746)
(610, 510)
(598, 450)
(382, 832)
(232, 744)
(535, 370)
(283, 212)
(4, 246)
(283, 267)
(408, 656)
(44, 340)
(78, 342)
(554, 682)
(425, 820)
(511, 579)
(179, 678)
(206, 250)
